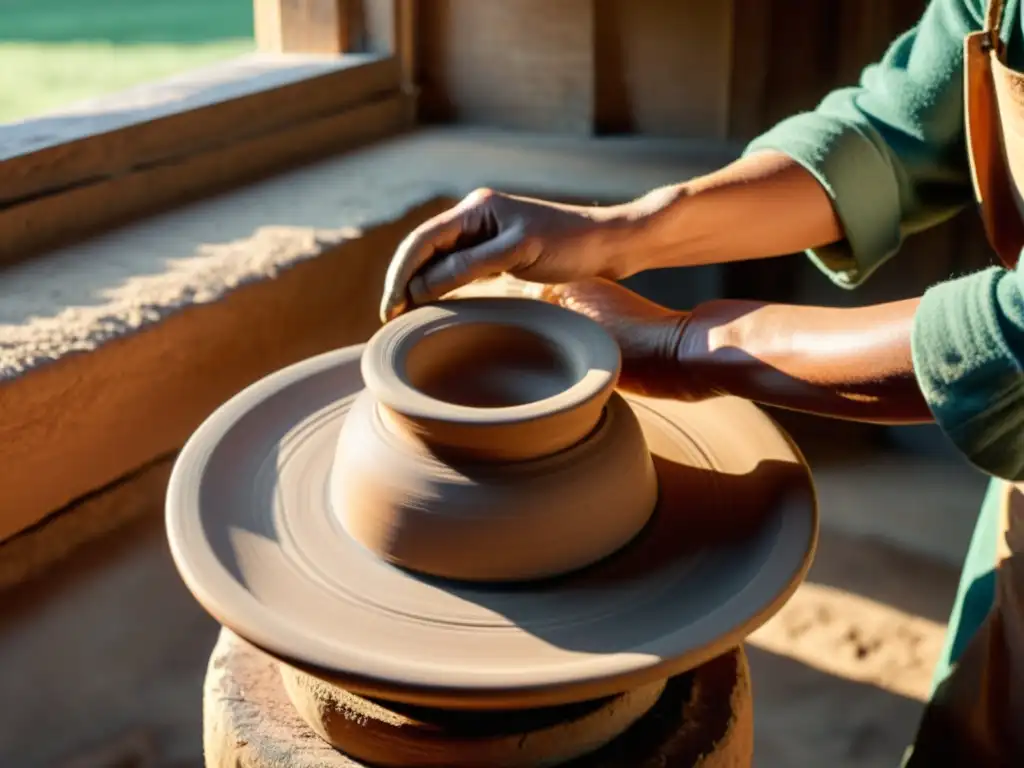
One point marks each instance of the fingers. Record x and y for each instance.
(450, 272)
(469, 222)
(438, 233)
(503, 286)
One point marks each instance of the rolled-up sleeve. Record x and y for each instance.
(890, 151)
(968, 350)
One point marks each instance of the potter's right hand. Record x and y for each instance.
(490, 233)
(663, 350)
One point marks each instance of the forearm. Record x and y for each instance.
(846, 363)
(762, 205)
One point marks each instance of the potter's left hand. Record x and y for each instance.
(656, 342)
(845, 363)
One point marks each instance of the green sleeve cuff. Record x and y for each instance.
(967, 345)
(859, 178)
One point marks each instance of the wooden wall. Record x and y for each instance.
(518, 64)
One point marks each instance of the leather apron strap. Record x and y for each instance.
(994, 12)
(993, 186)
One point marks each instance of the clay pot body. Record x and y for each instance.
(489, 444)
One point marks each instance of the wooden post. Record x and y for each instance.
(303, 26)
(405, 27)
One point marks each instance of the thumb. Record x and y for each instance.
(469, 220)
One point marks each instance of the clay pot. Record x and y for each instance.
(489, 444)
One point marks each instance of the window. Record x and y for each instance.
(54, 53)
(321, 76)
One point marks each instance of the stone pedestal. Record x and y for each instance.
(704, 718)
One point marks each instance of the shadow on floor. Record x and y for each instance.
(104, 657)
(885, 574)
(805, 717)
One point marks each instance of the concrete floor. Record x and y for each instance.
(103, 658)
(841, 672)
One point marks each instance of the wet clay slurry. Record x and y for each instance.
(257, 524)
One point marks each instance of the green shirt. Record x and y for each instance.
(891, 154)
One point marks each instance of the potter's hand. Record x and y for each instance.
(845, 363)
(851, 364)
(664, 352)
(658, 344)
(489, 234)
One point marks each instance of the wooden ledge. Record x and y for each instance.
(137, 108)
(114, 350)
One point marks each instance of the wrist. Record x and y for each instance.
(710, 343)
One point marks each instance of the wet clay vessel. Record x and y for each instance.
(489, 445)
(462, 514)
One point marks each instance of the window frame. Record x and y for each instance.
(303, 95)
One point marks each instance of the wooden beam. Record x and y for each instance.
(405, 49)
(160, 122)
(160, 126)
(303, 26)
(53, 220)
(378, 25)
(511, 64)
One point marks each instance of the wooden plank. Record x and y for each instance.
(378, 20)
(513, 64)
(52, 220)
(388, 28)
(663, 67)
(302, 26)
(405, 36)
(751, 31)
(95, 516)
(183, 116)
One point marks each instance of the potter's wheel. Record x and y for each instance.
(255, 537)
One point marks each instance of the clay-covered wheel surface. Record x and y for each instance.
(254, 538)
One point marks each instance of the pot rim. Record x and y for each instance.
(575, 337)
